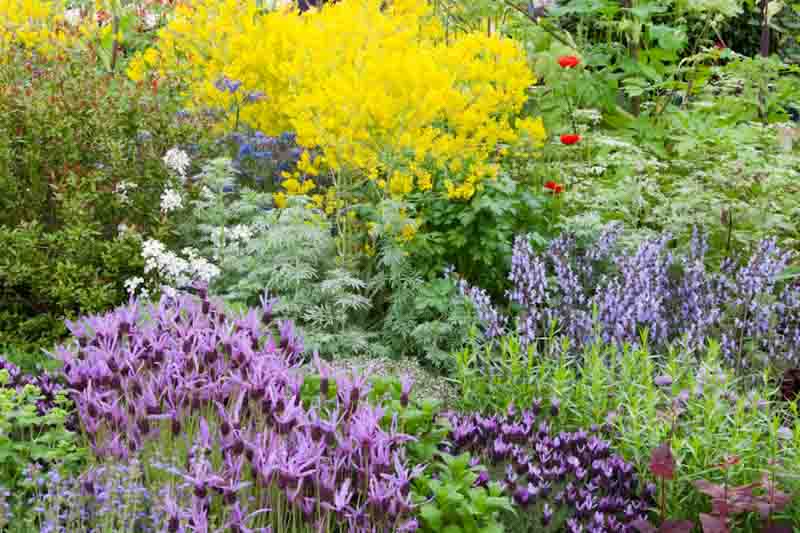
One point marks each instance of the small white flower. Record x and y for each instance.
(73, 16)
(133, 283)
(170, 200)
(122, 189)
(592, 116)
(241, 232)
(178, 161)
(150, 20)
(597, 170)
(176, 270)
(613, 142)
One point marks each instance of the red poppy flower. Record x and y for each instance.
(556, 188)
(568, 61)
(570, 138)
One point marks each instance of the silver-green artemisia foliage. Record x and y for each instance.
(291, 253)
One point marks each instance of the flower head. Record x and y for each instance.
(568, 61)
(555, 188)
(170, 200)
(178, 161)
(570, 138)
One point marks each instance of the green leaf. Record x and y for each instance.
(646, 11)
(790, 273)
(432, 516)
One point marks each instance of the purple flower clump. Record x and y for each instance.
(219, 400)
(558, 481)
(597, 295)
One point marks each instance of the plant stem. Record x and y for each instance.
(764, 6)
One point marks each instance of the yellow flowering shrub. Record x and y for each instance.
(380, 92)
(35, 24)
(45, 27)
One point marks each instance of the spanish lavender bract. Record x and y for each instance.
(220, 401)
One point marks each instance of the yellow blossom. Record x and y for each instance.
(291, 185)
(424, 182)
(280, 200)
(408, 232)
(383, 87)
(533, 128)
(400, 184)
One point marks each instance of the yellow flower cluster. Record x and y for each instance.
(35, 24)
(533, 130)
(369, 86)
(298, 183)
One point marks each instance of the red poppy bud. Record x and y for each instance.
(568, 61)
(570, 138)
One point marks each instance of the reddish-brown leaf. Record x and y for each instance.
(713, 524)
(720, 507)
(676, 526)
(662, 463)
(778, 527)
(733, 501)
(774, 500)
(710, 489)
(643, 526)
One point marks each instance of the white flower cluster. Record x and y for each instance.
(73, 16)
(241, 232)
(174, 269)
(123, 229)
(592, 116)
(132, 284)
(170, 200)
(150, 20)
(177, 161)
(122, 189)
(597, 170)
(612, 142)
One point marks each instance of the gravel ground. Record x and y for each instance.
(426, 383)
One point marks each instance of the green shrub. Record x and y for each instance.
(80, 161)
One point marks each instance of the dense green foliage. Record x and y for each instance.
(80, 177)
